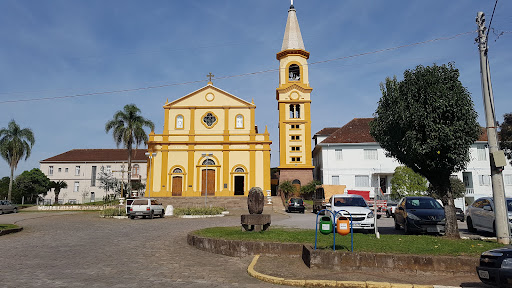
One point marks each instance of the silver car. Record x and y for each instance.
(7, 207)
(480, 215)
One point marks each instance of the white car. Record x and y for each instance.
(362, 216)
(146, 207)
(480, 215)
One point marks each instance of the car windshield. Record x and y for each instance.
(296, 200)
(349, 201)
(140, 202)
(422, 203)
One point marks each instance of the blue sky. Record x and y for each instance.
(60, 48)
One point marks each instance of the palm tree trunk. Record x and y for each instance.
(56, 197)
(129, 187)
(9, 194)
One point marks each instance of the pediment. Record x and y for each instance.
(209, 96)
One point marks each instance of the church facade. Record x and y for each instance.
(210, 146)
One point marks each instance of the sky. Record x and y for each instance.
(163, 49)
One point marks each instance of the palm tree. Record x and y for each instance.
(15, 143)
(57, 185)
(128, 129)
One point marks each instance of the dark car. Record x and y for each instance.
(496, 267)
(420, 214)
(295, 204)
(459, 214)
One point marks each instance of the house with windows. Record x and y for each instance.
(81, 170)
(350, 156)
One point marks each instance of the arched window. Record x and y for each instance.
(135, 170)
(208, 162)
(292, 111)
(239, 170)
(177, 171)
(295, 182)
(294, 72)
(179, 122)
(239, 121)
(297, 111)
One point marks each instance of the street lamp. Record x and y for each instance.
(150, 155)
(206, 188)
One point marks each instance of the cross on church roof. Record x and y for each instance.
(210, 75)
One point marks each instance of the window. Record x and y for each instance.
(66, 170)
(335, 180)
(179, 122)
(135, 170)
(295, 159)
(339, 154)
(208, 162)
(72, 201)
(297, 111)
(362, 181)
(209, 119)
(93, 176)
(77, 170)
(370, 154)
(239, 170)
(177, 171)
(295, 137)
(507, 179)
(50, 170)
(485, 180)
(76, 187)
(294, 72)
(109, 169)
(60, 170)
(482, 156)
(294, 111)
(295, 148)
(296, 126)
(239, 121)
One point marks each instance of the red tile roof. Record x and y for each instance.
(327, 131)
(98, 155)
(358, 131)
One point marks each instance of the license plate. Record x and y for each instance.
(432, 229)
(483, 274)
(138, 213)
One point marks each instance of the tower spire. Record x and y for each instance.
(292, 37)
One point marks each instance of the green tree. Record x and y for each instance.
(31, 184)
(128, 129)
(456, 186)
(287, 188)
(107, 180)
(506, 136)
(307, 190)
(4, 187)
(15, 143)
(427, 122)
(406, 182)
(57, 186)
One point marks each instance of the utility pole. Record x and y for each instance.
(500, 206)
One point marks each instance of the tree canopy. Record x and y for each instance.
(427, 122)
(31, 184)
(15, 144)
(506, 136)
(406, 182)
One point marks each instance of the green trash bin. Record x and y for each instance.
(325, 225)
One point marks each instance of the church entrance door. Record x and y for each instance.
(177, 185)
(239, 185)
(208, 179)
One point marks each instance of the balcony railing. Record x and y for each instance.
(470, 191)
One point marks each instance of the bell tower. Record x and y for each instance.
(294, 102)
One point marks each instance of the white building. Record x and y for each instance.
(80, 169)
(350, 156)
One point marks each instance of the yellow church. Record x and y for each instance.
(210, 145)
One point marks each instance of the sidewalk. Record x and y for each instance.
(295, 269)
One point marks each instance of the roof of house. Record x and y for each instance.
(98, 155)
(326, 131)
(358, 131)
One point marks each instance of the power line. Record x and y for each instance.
(230, 76)
(490, 21)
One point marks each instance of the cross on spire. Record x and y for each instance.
(210, 76)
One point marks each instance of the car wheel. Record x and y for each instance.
(314, 210)
(470, 225)
(397, 226)
(387, 214)
(15, 210)
(151, 215)
(163, 214)
(1, 212)
(406, 229)
(143, 216)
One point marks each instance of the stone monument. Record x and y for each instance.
(255, 221)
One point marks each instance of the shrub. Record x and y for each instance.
(198, 211)
(109, 212)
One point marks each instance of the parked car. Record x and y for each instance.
(496, 267)
(480, 215)
(362, 216)
(390, 210)
(7, 207)
(420, 214)
(295, 204)
(459, 214)
(146, 207)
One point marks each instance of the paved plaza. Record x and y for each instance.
(69, 249)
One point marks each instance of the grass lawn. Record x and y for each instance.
(8, 226)
(401, 244)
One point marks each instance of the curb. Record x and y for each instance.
(200, 216)
(9, 231)
(328, 283)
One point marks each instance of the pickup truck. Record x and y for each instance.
(146, 207)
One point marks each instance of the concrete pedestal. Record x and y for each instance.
(255, 222)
